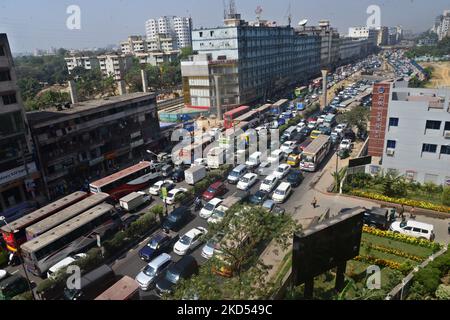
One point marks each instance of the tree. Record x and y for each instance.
(394, 185)
(185, 53)
(357, 117)
(338, 178)
(446, 196)
(250, 227)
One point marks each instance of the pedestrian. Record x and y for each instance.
(314, 203)
(412, 213)
(401, 212)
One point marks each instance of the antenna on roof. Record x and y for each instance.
(303, 22)
(233, 10)
(289, 15)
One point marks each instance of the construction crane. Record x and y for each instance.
(289, 15)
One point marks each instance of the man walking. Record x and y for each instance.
(314, 203)
(401, 212)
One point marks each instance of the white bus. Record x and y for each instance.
(55, 220)
(73, 236)
(314, 153)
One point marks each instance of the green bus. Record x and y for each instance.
(301, 91)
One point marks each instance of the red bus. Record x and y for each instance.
(14, 233)
(124, 182)
(230, 116)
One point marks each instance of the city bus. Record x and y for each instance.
(124, 289)
(14, 232)
(280, 106)
(68, 213)
(122, 183)
(230, 116)
(314, 153)
(73, 236)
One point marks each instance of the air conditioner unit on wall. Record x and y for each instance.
(447, 134)
(390, 152)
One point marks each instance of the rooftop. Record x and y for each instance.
(54, 113)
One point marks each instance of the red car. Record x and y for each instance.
(215, 190)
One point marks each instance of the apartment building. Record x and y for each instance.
(250, 63)
(383, 36)
(351, 49)
(115, 65)
(85, 62)
(157, 58)
(178, 28)
(18, 169)
(133, 45)
(410, 130)
(442, 25)
(366, 33)
(329, 50)
(86, 140)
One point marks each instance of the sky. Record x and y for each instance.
(32, 24)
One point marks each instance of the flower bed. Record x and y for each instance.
(407, 202)
(403, 238)
(380, 262)
(393, 251)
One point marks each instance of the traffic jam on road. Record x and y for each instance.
(50, 242)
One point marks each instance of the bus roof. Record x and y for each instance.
(264, 108)
(316, 145)
(121, 290)
(280, 102)
(236, 110)
(66, 214)
(65, 228)
(246, 116)
(118, 175)
(44, 211)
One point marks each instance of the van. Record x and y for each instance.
(237, 173)
(12, 286)
(51, 273)
(288, 133)
(414, 229)
(183, 269)
(166, 171)
(92, 284)
(282, 192)
(380, 218)
(254, 160)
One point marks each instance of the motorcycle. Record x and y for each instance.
(198, 204)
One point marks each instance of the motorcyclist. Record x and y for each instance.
(198, 203)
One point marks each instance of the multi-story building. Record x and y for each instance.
(115, 65)
(351, 49)
(364, 32)
(329, 51)
(18, 169)
(251, 63)
(92, 138)
(85, 62)
(179, 28)
(442, 25)
(383, 36)
(133, 45)
(410, 130)
(157, 58)
(161, 43)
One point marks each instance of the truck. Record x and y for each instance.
(216, 157)
(124, 289)
(133, 201)
(194, 174)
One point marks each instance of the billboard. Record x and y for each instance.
(326, 245)
(357, 162)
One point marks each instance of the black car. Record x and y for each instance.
(128, 219)
(259, 197)
(295, 178)
(178, 175)
(306, 131)
(325, 130)
(159, 243)
(175, 220)
(349, 134)
(183, 269)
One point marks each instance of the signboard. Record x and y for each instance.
(16, 173)
(359, 162)
(164, 192)
(29, 185)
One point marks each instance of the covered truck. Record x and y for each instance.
(194, 174)
(134, 200)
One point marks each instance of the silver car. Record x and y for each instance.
(150, 272)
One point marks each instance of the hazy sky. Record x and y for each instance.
(34, 24)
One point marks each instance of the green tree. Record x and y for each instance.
(255, 226)
(185, 53)
(446, 196)
(357, 117)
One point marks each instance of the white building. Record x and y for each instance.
(179, 28)
(134, 44)
(415, 131)
(157, 58)
(115, 65)
(364, 32)
(88, 63)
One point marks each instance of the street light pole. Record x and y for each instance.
(20, 257)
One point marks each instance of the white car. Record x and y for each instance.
(51, 273)
(281, 171)
(3, 274)
(312, 124)
(346, 144)
(340, 127)
(208, 209)
(146, 278)
(282, 192)
(264, 168)
(276, 155)
(190, 240)
(172, 194)
(321, 119)
(300, 126)
(414, 229)
(247, 181)
(269, 183)
(218, 215)
(288, 146)
(314, 96)
(156, 188)
(200, 162)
